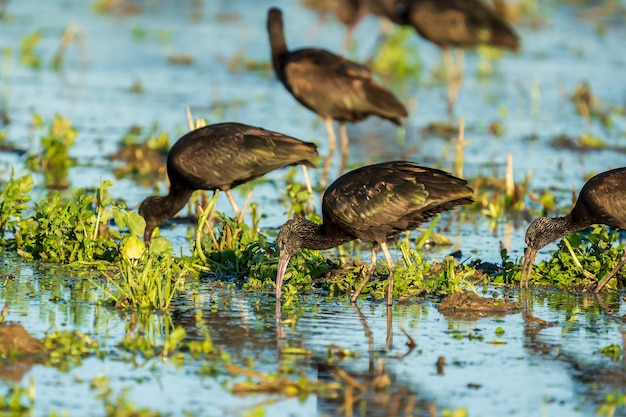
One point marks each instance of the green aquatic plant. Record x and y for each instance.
(68, 231)
(28, 53)
(581, 260)
(18, 400)
(13, 199)
(69, 348)
(396, 57)
(147, 277)
(54, 161)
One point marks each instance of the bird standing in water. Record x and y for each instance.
(602, 200)
(460, 24)
(220, 157)
(333, 87)
(374, 203)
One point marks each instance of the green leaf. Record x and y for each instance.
(133, 248)
(136, 223)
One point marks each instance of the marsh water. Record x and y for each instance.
(527, 370)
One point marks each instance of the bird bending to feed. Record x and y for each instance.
(333, 87)
(374, 203)
(220, 157)
(460, 24)
(602, 200)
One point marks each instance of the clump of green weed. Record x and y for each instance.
(18, 400)
(396, 56)
(240, 250)
(13, 199)
(581, 260)
(147, 277)
(68, 231)
(54, 161)
(28, 54)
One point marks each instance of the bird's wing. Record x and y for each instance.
(309, 70)
(227, 154)
(394, 193)
(603, 199)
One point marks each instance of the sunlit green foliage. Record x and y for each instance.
(18, 400)
(68, 348)
(397, 55)
(28, 53)
(69, 231)
(13, 199)
(591, 255)
(148, 277)
(54, 161)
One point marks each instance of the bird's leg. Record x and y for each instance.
(455, 78)
(606, 279)
(345, 144)
(332, 145)
(309, 189)
(392, 268)
(460, 63)
(389, 341)
(307, 180)
(246, 204)
(367, 277)
(233, 203)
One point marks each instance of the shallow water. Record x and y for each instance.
(545, 371)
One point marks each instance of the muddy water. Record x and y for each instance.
(554, 370)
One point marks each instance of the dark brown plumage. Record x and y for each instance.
(374, 203)
(460, 24)
(331, 86)
(602, 200)
(220, 157)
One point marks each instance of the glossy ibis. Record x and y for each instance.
(219, 157)
(333, 87)
(602, 200)
(460, 24)
(374, 203)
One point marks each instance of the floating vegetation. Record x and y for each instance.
(581, 260)
(28, 54)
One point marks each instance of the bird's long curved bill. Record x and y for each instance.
(283, 260)
(527, 266)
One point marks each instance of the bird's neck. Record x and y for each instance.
(278, 44)
(327, 239)
(174, 201)
(563, 226)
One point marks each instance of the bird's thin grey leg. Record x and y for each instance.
(345, 145)
(246, 204)
(233, 203)
(370, 271)
(332, 145)
(392, 268)
(455, 78)
(606, 279)
(307, 180)
(389, 340)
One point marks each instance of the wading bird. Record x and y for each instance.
(333, 87)
(460, 24)
(220, 157)
(374, 203)
(602, 200)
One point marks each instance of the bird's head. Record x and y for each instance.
(292, 238)
(539, 233)
(150, 209)
(293, 235)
